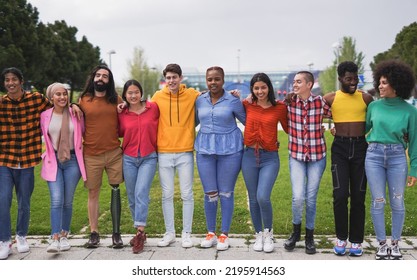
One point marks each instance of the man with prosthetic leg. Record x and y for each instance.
(102, 149)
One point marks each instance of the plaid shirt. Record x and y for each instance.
(305, 118)
(20, 136)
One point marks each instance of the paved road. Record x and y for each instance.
(240, 249)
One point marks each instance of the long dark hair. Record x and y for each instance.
(111, 93)
(262, 77)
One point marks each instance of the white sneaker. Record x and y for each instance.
(169, 238)
(186, 240)
(64, 244)
(5, 249)
(22, 244)
(268, 240)
(209, 241)
(259, 242)
(223, 242)
(53, 247)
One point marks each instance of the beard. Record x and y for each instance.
(100, 86)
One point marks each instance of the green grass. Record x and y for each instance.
(281, 201)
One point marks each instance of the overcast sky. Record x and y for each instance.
(272, 35)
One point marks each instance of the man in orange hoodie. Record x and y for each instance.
(175, 142)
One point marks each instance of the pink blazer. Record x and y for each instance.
(49, 162)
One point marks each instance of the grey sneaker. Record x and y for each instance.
(383, 252)
(169, 238)
(268, 241)
(259, 242)
(53, 247)
(5, 249)
(186, 240)
(395, 252)
(64, 244)
(22, 244)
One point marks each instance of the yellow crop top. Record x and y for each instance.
(348, 107)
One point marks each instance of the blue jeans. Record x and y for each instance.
(61, 193)
(260, 170)
(138, 173)
(305, 181)
(387, 163)
(184, 164)
(24, 182)
(218, 174)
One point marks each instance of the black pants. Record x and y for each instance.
(349, 179)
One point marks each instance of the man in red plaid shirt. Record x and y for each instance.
(307, 149)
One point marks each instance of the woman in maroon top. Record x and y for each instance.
(138, 125)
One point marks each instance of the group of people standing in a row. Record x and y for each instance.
(82, 140)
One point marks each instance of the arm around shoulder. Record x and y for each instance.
(367, 98)
(329, 98)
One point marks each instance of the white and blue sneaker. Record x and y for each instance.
(356, 250)
(340, 247)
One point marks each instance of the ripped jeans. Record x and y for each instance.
(218, 174)
(387, 164)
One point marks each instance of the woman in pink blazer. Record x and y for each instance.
(63, 163)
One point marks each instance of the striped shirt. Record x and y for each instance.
(20, 137)
(305, 118)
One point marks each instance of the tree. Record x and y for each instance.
(346, 52)
(404, 48)
(147, 76)
(18, 37)
(45, 53)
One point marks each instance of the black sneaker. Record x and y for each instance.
(117, 241)
(94, 240)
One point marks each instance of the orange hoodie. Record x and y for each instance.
(176, 128)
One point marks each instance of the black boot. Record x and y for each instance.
(289, 244)
(310, 246)
(116, 208)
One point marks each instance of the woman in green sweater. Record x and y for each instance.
(388, 120)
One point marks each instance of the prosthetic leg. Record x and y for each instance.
(116, 208)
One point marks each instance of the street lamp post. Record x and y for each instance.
(110, 53)
(337, 47)
(238, 65)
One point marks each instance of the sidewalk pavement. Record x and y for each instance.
(240, 249)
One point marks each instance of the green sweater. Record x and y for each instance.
(387, 120)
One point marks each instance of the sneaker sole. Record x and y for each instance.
(92, 246)
(52, 251)
(382, 258)
(166, 244)
(339, 253)
(23, 251)
(352, 254)
(396, 258)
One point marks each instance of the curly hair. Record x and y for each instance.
(346, 66)
(399, 75)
